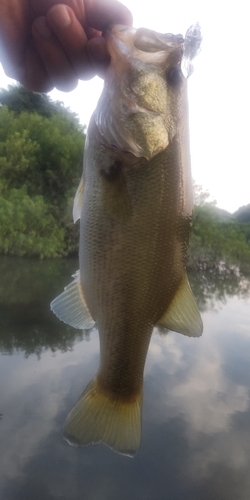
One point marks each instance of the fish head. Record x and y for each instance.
(145, 91)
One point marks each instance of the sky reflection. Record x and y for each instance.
(196, 418)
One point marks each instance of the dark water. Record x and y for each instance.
(196, 414)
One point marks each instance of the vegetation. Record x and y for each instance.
(243, 214)
(28, 285)
(41, 146)
(218, 241)
(19, 99)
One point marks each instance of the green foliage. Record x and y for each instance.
(243, 214)
(200, 196)
(41, 144)
(19, 99)
(215, 242)
(27, 228)
(42, 153)
(40, 167)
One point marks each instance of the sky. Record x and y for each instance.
(219, 97)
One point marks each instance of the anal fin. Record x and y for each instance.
(182, 315)
(70, 306)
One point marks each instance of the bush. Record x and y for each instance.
(40, 168)
(214, 241)
(26, 226)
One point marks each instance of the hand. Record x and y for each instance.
(53, 43)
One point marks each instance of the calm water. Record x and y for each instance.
(196, 414)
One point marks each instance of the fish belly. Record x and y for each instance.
(132, 265)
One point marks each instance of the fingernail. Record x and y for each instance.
(41, 27)
(60, 16)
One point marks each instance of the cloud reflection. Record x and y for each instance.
(196, 415)
(214, 407)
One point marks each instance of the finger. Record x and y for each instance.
(30, 73)
(78, 7)
(98, 55)
(97, 14)
(22, 62)
(13, 25)
(62, 20)
(101, 14)
(55, 60)
(35, 77)
(18, 53)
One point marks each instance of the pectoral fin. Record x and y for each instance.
(70, 306)
(182, 315)
(77, 207)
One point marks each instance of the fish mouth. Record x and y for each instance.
(150, 41)
(144, 39)
(137, 75)
(151, 44)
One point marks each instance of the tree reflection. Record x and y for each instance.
(26, 290)
(28, 286)
(215, 284)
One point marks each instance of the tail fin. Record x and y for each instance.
(97, 418)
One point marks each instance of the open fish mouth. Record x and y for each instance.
(149, 41)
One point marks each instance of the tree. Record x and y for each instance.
(19, 99)
(42, 157)
(217, 239)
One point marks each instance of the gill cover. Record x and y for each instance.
(135, 112)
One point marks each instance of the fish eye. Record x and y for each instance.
(174, 76)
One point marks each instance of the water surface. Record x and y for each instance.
(196, 413)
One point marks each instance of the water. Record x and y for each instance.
(196, 413)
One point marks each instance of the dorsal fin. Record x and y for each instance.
(182, 315)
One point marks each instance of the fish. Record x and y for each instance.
(135, 206)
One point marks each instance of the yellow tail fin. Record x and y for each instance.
(98, 418)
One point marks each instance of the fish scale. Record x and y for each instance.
(123, 260)
(135, 206)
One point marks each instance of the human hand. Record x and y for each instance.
(53, 43)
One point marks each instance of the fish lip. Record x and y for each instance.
(115, 29)
(193, 35)
(166, 40)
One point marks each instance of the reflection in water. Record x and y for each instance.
(217, 284)
(26, 289)
(28, 286)
(196, 415)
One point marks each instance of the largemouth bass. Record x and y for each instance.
(135, 207)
